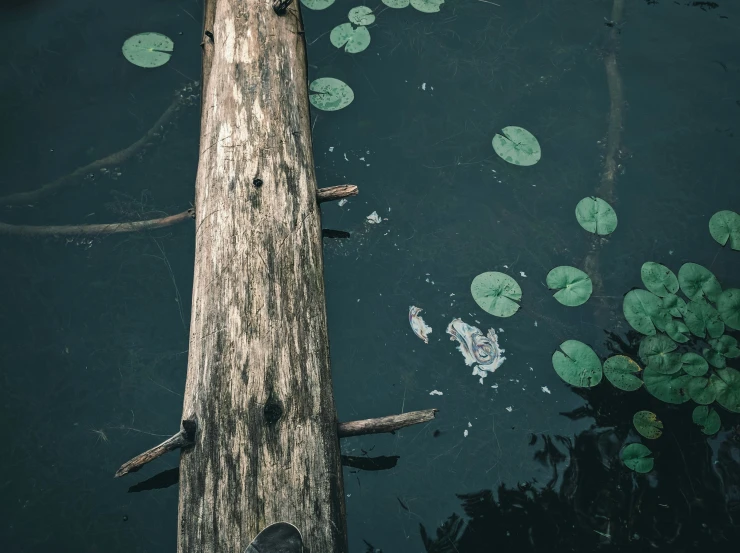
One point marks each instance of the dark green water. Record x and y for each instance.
(94, 332)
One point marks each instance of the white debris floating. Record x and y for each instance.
(420, 328)
(374, 218)
(477, 349)
(342, 202)
(435, 393)
(546, 389)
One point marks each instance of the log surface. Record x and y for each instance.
(259, 382)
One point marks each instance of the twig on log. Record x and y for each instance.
(184, 438)
(384, 424)
(113, 159)
(336, 192)
(107, 228)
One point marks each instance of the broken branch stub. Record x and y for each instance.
(384, 424)
(331, 193)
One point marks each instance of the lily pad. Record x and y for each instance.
(727, 383)
(648, 424)
(726, 345)
(427, 6)
(361, 15)
(317, 4)
(728, 306)
(671, 388)
(702, 390)
(659, 279)
(677, 331)
(674, 305)
(330, 94)
(516, 145)
(577, 364)
(398, 4)
(637, 457)
(644, 311)
(698, 282)
(573, 286)
(148, 49)
(714, 358)
(694, 364)
(701, 318)
(621, 371)
(724, 226)
(597, 216)
(659, 353)
(707, 419)
(496, 293)
(353, 39)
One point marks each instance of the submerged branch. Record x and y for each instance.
(184, 438)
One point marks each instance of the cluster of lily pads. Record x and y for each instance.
(426, 6)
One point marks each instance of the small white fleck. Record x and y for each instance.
(345, 157)
(510, 409)
(358, 300)
(546, 389)
(465, 434)
(362, 159)
(423, 86)
(506, 266)
(470, 424)
(342, 202)
(670, 252)
(349, 495)
(435, 393)
(500, 329)
(427, 279)
(495, 386)
(522, 273)
(535, 323)
(453, 293)
(331, 148)
(373, 218)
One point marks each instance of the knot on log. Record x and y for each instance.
(281, 6)
(273, 410)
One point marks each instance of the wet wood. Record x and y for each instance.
(184, 438)
(384, 424)
(332, 193)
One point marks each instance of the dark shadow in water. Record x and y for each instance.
(159, 481)
(382, 462)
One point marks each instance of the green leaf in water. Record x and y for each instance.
(694, 364)
(577, 364)
(621, 371)
(726, 345)
(659, 353)
(353, 39)
(637, 457)
(648, 424)
(645, 312)
(724, 226)
(674, 305)
(698, 282)
(496, 293)
(701, 318)
(728, 306)
(317, 4)
(714, 358)
(671, 388)
(396, 3)
(148, 49)
(707, 419)
(361, 15)
(702, 390)
(573, 286)
(517, 146)
(659, 279)
(330, 94)
(597, 216)
(727, 383)
(677, 331)
(427, 6)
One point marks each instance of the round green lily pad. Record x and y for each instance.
(577, 364)
(427, 6)
(637, 457)
(724, 226)
(702, 318)
(714, 358)
(694, 364)
(516, 145)
(659, 353)
(728, 305)
(597, 216)
(726, 345)
(678, 331)
(573, 286)
(353, 39)
(698, 282)
(707, 419)
(671, 388)
(496, 293)
(674, 305)
(644, 311)
(702, 390)
(727, 383)
(397, 4)
(317, 4)
(148, 49)
(361, 15)
(648, 424)
(659, 279)
(330, 94)
(621, 371)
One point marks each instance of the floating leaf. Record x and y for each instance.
(573, 285)
(317, 4)
(620, 370)
(597, 216)
(427, 6)
(659, 353)
(361, 15)
(701, 318)
(674, 305)
(702, 390)
(644, 311)
(330, 94)
(396, 3)
(577, 364)
(354, 39)
(728, 306)
(648, 424)
(727, 383)
(694, 364)
(714, 358)
(698, 282)
(724, 226)
(517, 145)
(659, 279)
(707, 419)
(726, 345)
(496, 293)
(671, 388)
(637, 457)
(148, 49)
(677, 331)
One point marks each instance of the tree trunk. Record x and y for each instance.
(259, 383)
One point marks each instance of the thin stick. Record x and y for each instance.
(384, 424)
(108, 228)
(184, 438)
(336, 192)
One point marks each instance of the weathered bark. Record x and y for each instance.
(259, 382)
